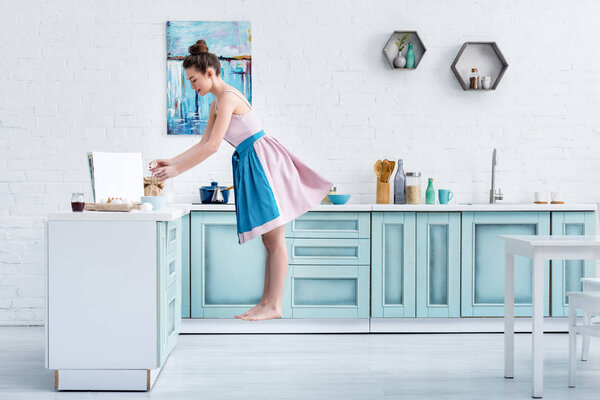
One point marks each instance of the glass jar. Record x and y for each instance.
(474, 79)
(413, 188)
(77, 202)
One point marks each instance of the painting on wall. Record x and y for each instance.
(187, 111)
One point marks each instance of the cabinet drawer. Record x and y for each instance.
(173, 235)
(334, 224)
(326, 291)
(328, 251)
(173, 267)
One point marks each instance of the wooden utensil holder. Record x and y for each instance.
(383, 192)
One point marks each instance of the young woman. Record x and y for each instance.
(271, 185)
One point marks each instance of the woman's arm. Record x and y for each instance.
(212, 115)
(212, 144)
(201, 151)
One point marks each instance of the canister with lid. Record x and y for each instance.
(413, 188)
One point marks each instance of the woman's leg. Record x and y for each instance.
(266, 285)
(271, 307)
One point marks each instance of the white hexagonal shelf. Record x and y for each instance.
(390, 51)
(486, 57)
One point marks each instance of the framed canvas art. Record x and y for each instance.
(187, 111)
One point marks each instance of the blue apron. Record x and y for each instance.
(254, 200)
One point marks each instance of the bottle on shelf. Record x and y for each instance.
(430, 193)
(474, 79)
(410, 56)
(400, 184)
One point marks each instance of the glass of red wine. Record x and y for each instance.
(77, 202)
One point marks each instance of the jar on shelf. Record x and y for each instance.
(413, 188)
(474, 79)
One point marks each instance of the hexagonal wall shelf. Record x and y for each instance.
(485, 56)
(390, 51)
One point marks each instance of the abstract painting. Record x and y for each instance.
(187, 111)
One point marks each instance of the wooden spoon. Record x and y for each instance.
(386, 168)
(230, 187)
(377, 169)
(392, 166)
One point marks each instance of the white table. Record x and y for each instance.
(538, 248)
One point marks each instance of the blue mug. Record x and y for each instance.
(445, 195)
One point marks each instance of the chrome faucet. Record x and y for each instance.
(493, 194)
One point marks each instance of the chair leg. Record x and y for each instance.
(572, 342)
(585, 346)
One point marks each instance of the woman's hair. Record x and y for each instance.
(200, 58)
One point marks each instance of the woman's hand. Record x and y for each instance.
(166, 172)
(159, 163)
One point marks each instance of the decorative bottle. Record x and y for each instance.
(430, 193)
(410, 56)
(399, 184)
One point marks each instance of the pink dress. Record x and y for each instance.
(271, 185)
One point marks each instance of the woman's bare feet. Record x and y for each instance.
(261, 303)
(262, 312)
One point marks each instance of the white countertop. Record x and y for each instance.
(548, 240)
(422, 207)
(176, 210)
(168, 213)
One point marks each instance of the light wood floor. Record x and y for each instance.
(321, 366)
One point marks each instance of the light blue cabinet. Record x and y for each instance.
(226, 278)
(438, 265)
(393, 264)
(483, 262)
(185, 266)
(329, 256)
(169, 251)
(567, 274)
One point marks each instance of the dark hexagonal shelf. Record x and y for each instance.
(390, 51)
(486, 57)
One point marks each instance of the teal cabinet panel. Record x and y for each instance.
(438, 265)
(567, 274)
(326, 291)
(328, 251)
(226, 278)
(483, 262)
(185, 266)
(330, 224)
(169, 288)
(393, 263)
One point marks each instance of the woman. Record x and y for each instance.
(271, 185)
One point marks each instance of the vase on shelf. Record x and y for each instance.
(399, 61)
(410, 56)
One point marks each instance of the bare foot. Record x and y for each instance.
(263, 312)
(252, 309)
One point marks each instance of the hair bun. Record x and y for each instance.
(198, 48)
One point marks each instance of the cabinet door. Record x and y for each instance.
(226, 278)
(393, 264)
(438, 265)
(483, 262)
(567, 274)
(185, 266)
(330, 291)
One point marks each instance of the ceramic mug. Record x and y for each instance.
(445, 195)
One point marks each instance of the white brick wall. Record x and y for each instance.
(81, 76)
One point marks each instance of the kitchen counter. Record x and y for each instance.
(168, 213)
(419, 207)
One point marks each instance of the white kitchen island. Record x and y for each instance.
(113, 297)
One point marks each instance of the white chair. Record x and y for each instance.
(589, 302)
(589, 284)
